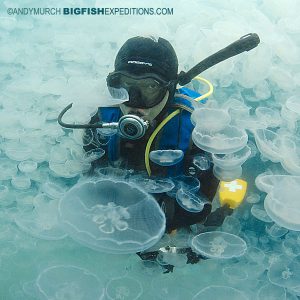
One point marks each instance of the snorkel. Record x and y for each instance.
(134, 127)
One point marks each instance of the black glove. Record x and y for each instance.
(217, 217)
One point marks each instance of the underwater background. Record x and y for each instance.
(47, 62)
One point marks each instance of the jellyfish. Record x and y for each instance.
(112, 216)
(285, 272)
(235, 273)
(21, 182)
(275, 231)
(124, 288)
(8, 169)
(269, 144)
(220, 292)
(219, 244)
(17, 150)
(166, 157)
(69, 282)
(227, 140)
(27, 166)
(93, 154)
(271, 291)
(190, 201)
(269, 116)
(186, 183)
(153, 186)
(232, 160)
(210, 119)
(281, 202)
(253, 198)
(42, 220)
(259, 213)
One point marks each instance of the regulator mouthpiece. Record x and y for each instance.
(129, 126)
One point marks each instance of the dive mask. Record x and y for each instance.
(145, 91)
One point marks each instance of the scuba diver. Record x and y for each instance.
(157, 117)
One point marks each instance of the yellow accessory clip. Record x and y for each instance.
(232, 193)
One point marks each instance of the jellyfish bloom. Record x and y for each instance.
(210, 119)
(220, 292)
(217, 244)
(281, 202)
(166, 157)
(124, 288)
(190, 201)
(112, 216)
(68, 282)
(227, 140)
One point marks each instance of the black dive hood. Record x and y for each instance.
(134, 127)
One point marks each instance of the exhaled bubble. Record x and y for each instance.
(166, 157)
(112, 216)
(68, 282)
(219, 244)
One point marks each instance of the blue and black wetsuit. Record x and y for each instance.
(176, 135)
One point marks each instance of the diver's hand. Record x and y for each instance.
(217, 217)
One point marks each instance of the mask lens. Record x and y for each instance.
(143, 92)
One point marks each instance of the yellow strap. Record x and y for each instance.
(168, 118)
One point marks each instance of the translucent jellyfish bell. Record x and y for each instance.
(166, 157)
(232, 160)
(281, 202)
(69, 282)
(153, 186)
(227, 140)
(220, 292)
(124, 288)
(112, 216)
(210, 119)
(285, 272)
(219, 244)
(190, 201)
(269, 144)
